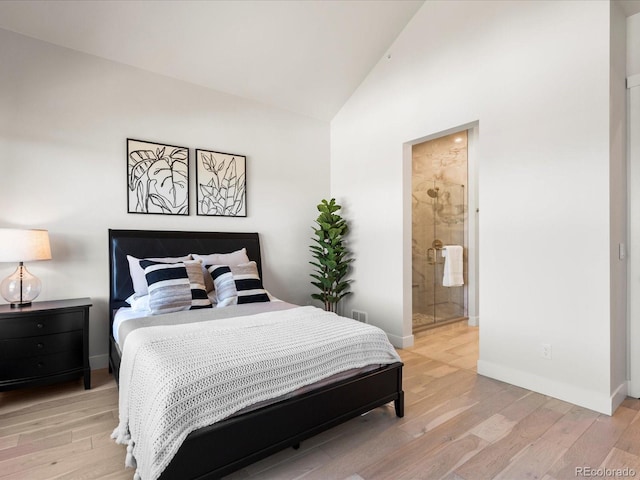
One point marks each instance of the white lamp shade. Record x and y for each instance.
(18, 245)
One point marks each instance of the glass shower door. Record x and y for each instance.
(442, 215)
(449, 213)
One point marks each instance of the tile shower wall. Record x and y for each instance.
(439, 211)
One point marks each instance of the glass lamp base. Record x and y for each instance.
(20, 288)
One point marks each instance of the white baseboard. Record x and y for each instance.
(578, 396)
(400, 342)
(473, 321)
(618, 396)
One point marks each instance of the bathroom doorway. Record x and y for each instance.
(439, 224)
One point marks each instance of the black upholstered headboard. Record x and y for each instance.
(159, 243)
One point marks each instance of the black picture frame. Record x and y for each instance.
(157, 178)
(221, 187)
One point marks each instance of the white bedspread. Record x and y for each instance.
(177, 379)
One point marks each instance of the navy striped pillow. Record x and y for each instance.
(237, 284)
(175, 286)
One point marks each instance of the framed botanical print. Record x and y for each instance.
(221, 188)
(157, 178)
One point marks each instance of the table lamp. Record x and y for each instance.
(16, 245)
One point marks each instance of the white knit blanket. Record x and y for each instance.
(177, 379)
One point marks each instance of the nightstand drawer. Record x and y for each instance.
(41, 365)
(43, 324)
(18, 348)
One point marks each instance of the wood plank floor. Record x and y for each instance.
(458, 426)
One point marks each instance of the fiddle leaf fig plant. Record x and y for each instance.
(331, 256)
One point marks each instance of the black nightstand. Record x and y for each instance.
(44, 343)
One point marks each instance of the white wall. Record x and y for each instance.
(633, 73)
(634, 238)
(618, 201)
(64, 120)
(633, 45)
(535, 76)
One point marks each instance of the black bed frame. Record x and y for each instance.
(229, 445)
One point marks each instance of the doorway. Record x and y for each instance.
(439, 224)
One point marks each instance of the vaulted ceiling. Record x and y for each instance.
(306, 56)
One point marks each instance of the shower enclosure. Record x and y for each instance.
(439, 211)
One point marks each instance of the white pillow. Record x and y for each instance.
(139, 304)
(234, 258)
(137, 273)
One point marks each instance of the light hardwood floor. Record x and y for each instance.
(457, 426)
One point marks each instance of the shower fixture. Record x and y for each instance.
(433, 192)
(432, 253)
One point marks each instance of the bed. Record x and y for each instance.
(220, 448)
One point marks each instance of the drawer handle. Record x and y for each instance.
(40, 325)
(40, 345)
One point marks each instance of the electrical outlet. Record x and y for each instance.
(545, 351)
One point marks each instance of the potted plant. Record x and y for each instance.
(331, 256)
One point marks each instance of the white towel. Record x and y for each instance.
(452, 275)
